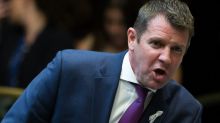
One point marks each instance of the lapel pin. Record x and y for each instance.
(153, 117)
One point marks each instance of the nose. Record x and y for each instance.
(165, 56)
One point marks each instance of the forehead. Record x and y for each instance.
(160, 27)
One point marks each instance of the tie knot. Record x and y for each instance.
(141, 92)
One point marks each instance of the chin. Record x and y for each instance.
(154, 85)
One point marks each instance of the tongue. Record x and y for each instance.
(159, 75)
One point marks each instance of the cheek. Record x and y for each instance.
(146, 59)
(175, 65)
(144, 64)
(177, 61)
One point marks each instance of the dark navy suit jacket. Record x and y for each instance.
(80, 86)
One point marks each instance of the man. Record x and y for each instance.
(92, 87)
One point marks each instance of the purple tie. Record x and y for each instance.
(135, 110)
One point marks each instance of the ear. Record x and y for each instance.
(132, 38)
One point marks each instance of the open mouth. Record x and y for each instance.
(159, 71)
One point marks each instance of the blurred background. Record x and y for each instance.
(32, 31)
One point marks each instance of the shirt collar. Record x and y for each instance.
(127, 73)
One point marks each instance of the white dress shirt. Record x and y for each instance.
(126, 93)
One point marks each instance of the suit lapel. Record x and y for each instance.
(156, 109)
(106, 83)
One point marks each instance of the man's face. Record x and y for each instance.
(158, 53)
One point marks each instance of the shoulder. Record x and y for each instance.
(177, 94)
(82, 55)
(87, 63)
(83, 59)
(71, 54)
(181, 106)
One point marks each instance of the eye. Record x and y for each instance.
(177, 49)
(156, 44)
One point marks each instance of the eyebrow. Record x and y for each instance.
(161, 39)
(180, 45)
